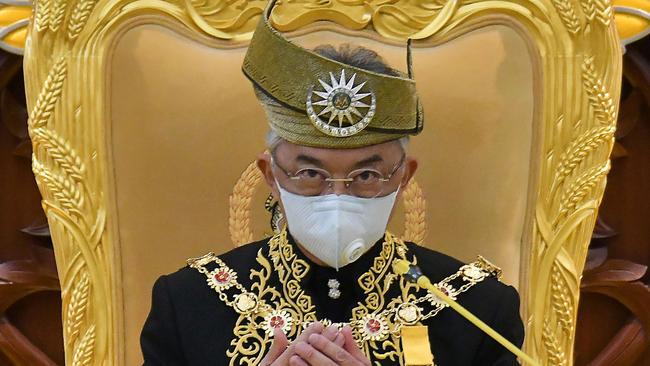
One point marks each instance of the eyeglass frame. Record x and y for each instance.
(347, 181)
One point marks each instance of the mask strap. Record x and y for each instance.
(277, 184)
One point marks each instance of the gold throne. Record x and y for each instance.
(144, 130)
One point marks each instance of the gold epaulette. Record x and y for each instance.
(488, 267)
(201, 261)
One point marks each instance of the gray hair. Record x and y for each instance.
(273, 140)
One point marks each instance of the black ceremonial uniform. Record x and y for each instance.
(191, 324)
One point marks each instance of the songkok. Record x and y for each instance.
(315, 101)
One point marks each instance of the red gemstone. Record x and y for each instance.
(373, 325)
(222, 276)
(276, 321)
(445, 291)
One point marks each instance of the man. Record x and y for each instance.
(322, 290)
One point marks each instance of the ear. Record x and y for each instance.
(410, 166)
(265, 166)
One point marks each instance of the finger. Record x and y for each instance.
(339, 340)
(335, 353)
(352, 347)
(311, 329)
(297, 361)
(330, 332)
(311, 355)
(280, 340)
(278, 346)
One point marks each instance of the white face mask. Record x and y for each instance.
(336, 229)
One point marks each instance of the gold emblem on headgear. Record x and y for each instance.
(342, 103)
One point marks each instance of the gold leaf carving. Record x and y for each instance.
(49, 95)
(79, 17)
(556, 356)
(240, 201)
(441, 19)
(63, 155)
(599, 97)
(225, 19)
(415, 229)
(604, 11)
(58, 13)
(588, 9)
(561, 300)
(392, 19)
(63, 190)
(291, 15)
(568, 15)
(579, 150)
(582, 187)
(84, 351)
(42, 17)
(76, 218)
(77, 308)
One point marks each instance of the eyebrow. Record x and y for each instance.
(370, 160)
(309, 160)
(302, 158)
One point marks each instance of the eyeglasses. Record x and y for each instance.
(365, 182)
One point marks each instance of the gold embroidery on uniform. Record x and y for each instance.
(376, 323)
(291, 270)
(375, 284)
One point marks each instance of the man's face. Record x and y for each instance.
(385, 158)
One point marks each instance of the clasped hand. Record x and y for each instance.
(316, 346)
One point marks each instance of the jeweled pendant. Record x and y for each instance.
(373, 328)
(472, 273)
(245, 303)
(446, 289)
(222, 278)
(277, 319)
(408, 313)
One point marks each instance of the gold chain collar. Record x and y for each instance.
(263, 307)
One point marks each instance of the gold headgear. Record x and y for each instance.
(316, 101)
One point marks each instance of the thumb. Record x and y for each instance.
(278, 346)
(351, 346)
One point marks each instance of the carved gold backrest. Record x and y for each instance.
(143, 130)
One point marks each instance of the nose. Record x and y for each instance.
(338, 188)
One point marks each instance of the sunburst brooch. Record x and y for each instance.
(342, 109)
